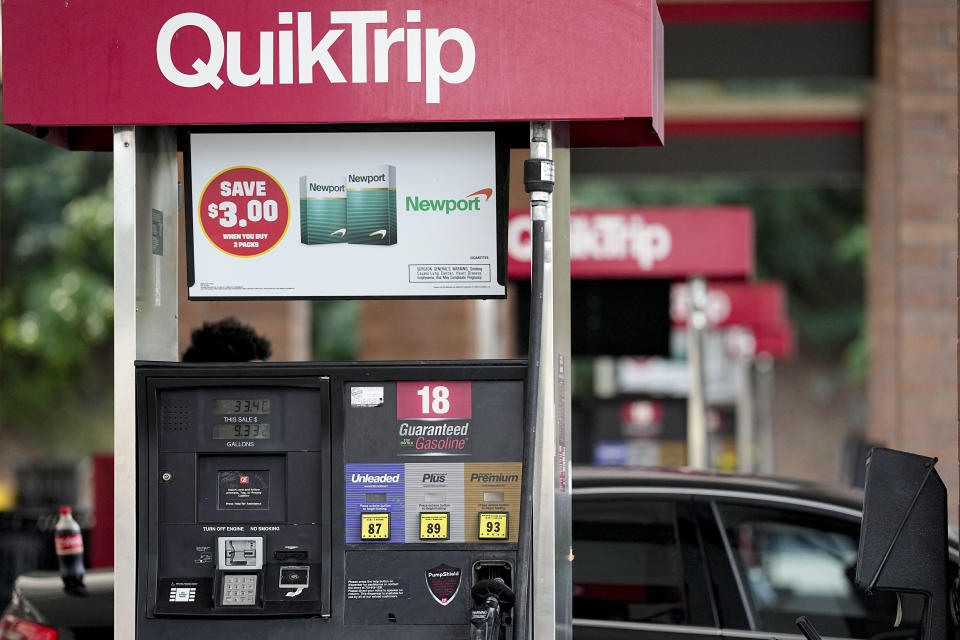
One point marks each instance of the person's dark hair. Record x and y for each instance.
(226, 341)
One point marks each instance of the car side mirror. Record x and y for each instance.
(903, 538)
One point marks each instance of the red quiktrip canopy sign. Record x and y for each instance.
(760, 307)
(114, 62)
(646, 242)
(733, 304)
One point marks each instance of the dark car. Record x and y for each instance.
(40, 610)
(678, 555)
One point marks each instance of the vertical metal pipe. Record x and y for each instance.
(124, 354)
(696, 397)
(488, 340)
(746, 431)
(604, 377)
(550, 605)
(767, 462)
(145, 217)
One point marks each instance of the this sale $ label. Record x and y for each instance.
(244, 211)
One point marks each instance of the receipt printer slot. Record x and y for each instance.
(239, 554)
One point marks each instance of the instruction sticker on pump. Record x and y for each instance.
(243, 490)
(374, 501)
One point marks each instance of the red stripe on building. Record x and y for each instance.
(746, 12)
(763, 128)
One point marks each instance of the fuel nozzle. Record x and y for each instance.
(492, 600)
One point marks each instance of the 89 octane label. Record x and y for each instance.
(244, 211)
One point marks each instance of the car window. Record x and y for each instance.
(796, 563)
(628, 564)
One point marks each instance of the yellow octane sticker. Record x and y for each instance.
(374, 526)
(434, 526)
(493, 526)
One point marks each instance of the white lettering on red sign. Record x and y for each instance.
(718, 305)
(600, 238)
(280, 45)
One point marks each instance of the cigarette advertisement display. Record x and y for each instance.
(346, 214)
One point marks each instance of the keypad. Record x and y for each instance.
(239, 590)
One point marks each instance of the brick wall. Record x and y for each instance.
(416, 329)
(913, 230)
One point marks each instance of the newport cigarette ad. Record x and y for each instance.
(343, 215)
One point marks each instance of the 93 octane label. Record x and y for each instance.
(493, 526)
(374, 526)
(434, 526)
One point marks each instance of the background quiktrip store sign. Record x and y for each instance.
(646, 242)
(759, 307)
(189, 62)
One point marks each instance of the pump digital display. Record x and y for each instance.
(242, 405)
(242, 430)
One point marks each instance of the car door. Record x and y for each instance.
(638, 571)
(790, 558)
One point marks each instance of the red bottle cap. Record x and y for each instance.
(64, 511)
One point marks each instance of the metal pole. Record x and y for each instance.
(764, 394)
(145, 217)
(696, 398)
(746, 433)
(488, 339)
(552, 546)
(604, 377)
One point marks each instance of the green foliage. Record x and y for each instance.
(56, 293)
(334, 330)
(811, 237)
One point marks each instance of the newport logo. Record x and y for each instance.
(325, 188)
(420, 51)
(471, 202)
(367, 179)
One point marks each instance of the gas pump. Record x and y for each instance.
(330, 500)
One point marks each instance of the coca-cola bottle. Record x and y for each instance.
(69, 543)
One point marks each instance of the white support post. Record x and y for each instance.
(552, 543)
(697, 454)
(145, 320)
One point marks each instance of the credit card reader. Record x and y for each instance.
(239, 561)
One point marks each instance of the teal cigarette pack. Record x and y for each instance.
(323, 210)
(372, 206)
